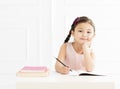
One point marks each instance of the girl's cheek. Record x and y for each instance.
(89, 39)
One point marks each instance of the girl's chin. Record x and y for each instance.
(82, 42)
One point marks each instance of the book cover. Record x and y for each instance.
(33, 71)
(89, 74)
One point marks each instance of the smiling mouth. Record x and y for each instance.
(83, 39)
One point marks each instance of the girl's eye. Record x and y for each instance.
(79, 31)
(88, 32)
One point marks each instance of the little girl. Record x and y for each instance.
(77, 55)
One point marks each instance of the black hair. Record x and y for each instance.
(82, 19)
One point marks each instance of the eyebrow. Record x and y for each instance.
(83, 29)
(89, 29)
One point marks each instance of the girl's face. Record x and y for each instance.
(83, 32)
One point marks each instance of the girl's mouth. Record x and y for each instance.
(83, 38)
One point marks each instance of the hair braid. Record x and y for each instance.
(68, 37)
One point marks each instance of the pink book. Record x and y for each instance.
(33, 71)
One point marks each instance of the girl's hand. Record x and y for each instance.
(86, 45)
(65, 70)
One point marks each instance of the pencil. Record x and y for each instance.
(62, 63)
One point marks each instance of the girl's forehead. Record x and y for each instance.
(84, 26)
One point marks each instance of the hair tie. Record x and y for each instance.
(76, 21)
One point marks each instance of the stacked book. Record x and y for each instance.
(33, 71)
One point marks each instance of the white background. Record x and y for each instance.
(32, 31)
(104, 14)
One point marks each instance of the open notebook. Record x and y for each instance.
(84, 73)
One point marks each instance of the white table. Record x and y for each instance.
(58, 81)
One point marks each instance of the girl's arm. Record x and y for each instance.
(61, 56)
(88, 57)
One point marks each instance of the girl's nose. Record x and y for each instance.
(84, 34)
